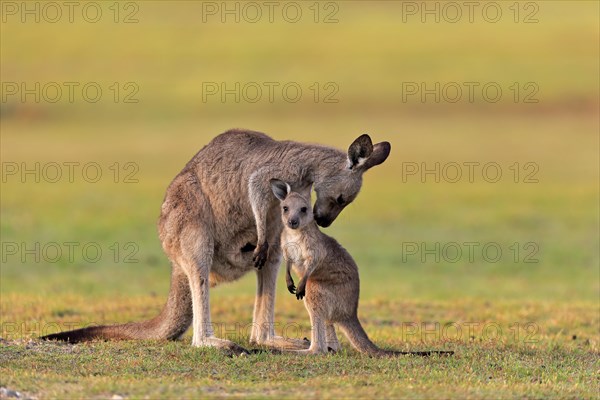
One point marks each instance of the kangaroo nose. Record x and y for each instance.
(293, 223)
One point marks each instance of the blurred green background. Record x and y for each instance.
(364, 61)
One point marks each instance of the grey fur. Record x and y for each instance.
(221, 204)
(329, 280)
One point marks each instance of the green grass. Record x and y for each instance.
(554, 356)
(546, 312)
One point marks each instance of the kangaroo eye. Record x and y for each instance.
(340, 200)
(285, 209)
(303, 210)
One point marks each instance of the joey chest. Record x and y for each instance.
(298, 250)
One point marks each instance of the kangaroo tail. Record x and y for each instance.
(171, 323)
(359, 338)
(361, 342)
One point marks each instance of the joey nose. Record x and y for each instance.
(293, 223)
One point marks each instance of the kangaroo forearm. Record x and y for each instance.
(261, 199)
(260, 194)
(260, 218)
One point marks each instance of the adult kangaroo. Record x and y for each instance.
(220, 219)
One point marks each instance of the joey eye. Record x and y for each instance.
(285, 209)
(340, 200)
(303, 210)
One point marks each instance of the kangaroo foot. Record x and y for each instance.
(281, 343)
(310, 352)
(227, 346)
(265, 351)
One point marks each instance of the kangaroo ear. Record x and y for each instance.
(359, 151)
(381, 151)
(305, 190)
(280, 189)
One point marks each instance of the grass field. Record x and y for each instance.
(523, 324)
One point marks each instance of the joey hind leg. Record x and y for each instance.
(318, 343)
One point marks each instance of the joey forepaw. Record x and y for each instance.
(301, 291)
(290, 282)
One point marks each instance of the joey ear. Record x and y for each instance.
(359, 151)
(381, 151)
(280, 189)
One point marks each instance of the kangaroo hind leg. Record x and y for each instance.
(187, 238)
(263, 326)
(332, 341)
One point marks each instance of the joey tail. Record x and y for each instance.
(172, 322)
(361, 342)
